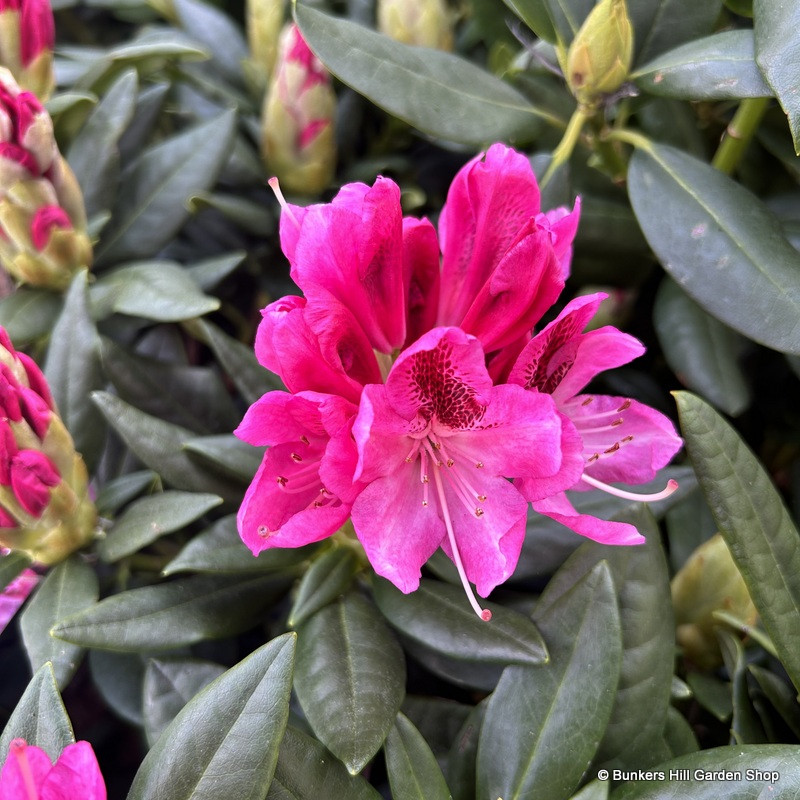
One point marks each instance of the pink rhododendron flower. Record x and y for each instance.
(15, 594)
(28, 774)
(621, 440)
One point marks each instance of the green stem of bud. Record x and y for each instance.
(629, 137)
(567, 144)
(739, 133)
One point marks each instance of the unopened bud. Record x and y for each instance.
(45, 508)
(264, 23)
(425, 23)
(709, 581)
(298, 140)
(27, 35)
(599, 58)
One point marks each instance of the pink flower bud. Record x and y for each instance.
(37, 29)
(45, 220)
(32, 476)
(15, 594)
(27, 36)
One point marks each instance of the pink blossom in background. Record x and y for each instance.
(28, 774)
(15, 594)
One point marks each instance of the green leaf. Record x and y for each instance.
(159, 445)
(716, 67)
(413, 771)
(350, 679)
(94, 154)
(765, 758)
(746, 727)
(169, 686)
(239, 361)
(306, 770)
(678, 734)
(463, 753)
(438, 616)
(660, 25)
(68, 588)
(173, 614)
(116, 493)
(40, 717)
(250, 215)
(567, 16)
(152, 208)
(712, 694)
(151, 517)
(641, 579)
(543, 724)
(780, 694)
(220, 550)
(159, 290)
(692, 216)
(596, 790)
(700, 350)
(73, 370)
(689, 524)
(777, 31)
(11, 565)
(119, 677)
(210, 271)
(224, 743)
(535, 15)
(753, 520)
(329, 576)
(439, 93)
(27, 314)
(227, 455)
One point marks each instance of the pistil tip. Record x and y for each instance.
(672, 485)
(486, 615)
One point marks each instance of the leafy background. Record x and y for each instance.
(179, 655)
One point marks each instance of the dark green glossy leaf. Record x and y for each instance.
(765, 758)
(172, 614)
(122, 490)
(119, 677)
(220, 549)
(186, 395)
(94, 155)
(40, 717)
(648, 633)
(148, 107)
(689, 524)
(169, 686)
(543, 724)
(438, 720)
(27, 314)
(227, 455)
(253, 217)
(567, 16)
(777, 29)
(717, 67)
(692, 217)
(306, 770)
(745, 725)
(224, 743)
(468, 674)
(159, 445)
(535, 15)
(712, 694)
(461, 760)
(753, 520)
(151, 517)
(780, 694)
(350, 678)
(73, 370)
(328, 576)
(437, 92)
(439, 617)
(239, 361)
(68, 588)
(159, 290)
(152, 208)
(700, 350)
(678, 734)
(11, 565)
(596, 790)
(413, 771)
(660, 25)
(210, 271)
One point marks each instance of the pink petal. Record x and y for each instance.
(15, 594)
(610, 454)
(443, 374)
(280, 417)
(36, 379)
(421, 251)
(35, 411)
(562, 225)
(32, 476)
(12, 782)
(45, 221)
(37, 29)
(489, 201)
(490, 544)
(559, 508)
(76, 774)
(398, 533)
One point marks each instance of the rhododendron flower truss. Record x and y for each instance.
(435, 446)
(621, 439)
(29, 775)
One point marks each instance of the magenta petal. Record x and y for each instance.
(12, 782)
(36, 379)
(76, 774)
(32, 476)
(490, 544)
(562, 225)
(397, 532)
(421, 252)
(489, 202)
(35, 411)
(15, 594)
(280, 417)
(630, 451)
(559, 508)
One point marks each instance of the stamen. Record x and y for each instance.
(304, 487)
(304, 439)
(264, 531)
(423, 475)
(17, 748)
(412, 453)
(483, 613)
(460, 478)
(671, 486)
(274, 184)
(626, 405)
(587, 401)
(479, 465)
(296, 458)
